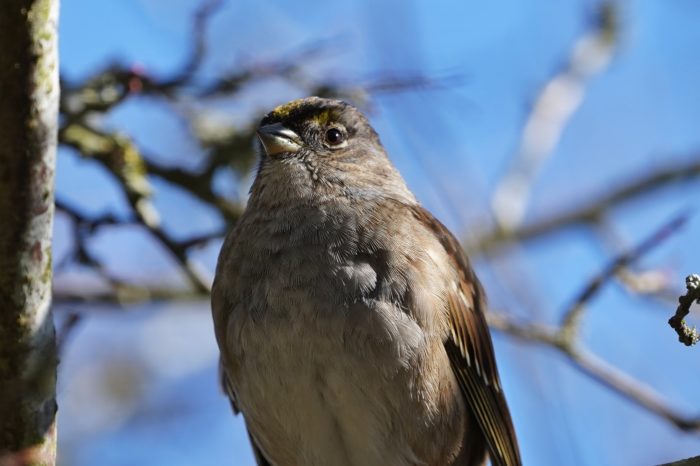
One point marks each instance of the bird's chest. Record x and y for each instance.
(322, 308)
(319, 361)
(325, 295)
(330, 363)
(319, 390)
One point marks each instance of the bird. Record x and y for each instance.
(350, 323)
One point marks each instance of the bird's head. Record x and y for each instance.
(314, 145)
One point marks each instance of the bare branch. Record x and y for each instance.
(555, 105)
(90, 224)
(199, 240)
(591, 212)
(199, 185)
(69, 324)
(128, 295)
(199, 28)
(532, 332)
(630, 388)
(694, 461)
(594, 367)
(564, 337)
(686, 335)
(196, 276)
(575, 311)
(111, 86)
(289, 68)
(120, 156)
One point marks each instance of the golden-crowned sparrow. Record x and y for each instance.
(349, 320)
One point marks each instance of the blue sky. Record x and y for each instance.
(453, 146)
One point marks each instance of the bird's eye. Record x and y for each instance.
(334, 136)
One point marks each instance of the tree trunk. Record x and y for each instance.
(28, 121)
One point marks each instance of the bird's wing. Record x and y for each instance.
(228, 389)
(471, 352)
(220, 305)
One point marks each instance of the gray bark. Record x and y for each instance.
(29, 92)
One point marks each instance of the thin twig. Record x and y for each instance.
(591, 212)
(686, 335)
(196, 277)
(200, 22)
(94, 223)
(289, 68)
(575, 311)
(199, 240)
(127, 295)
(66, 329)
(694, 461)
(112, 85)
(630, 388)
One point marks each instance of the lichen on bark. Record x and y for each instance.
(28, 123)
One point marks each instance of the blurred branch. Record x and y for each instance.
(573, 315)
(199, 240)
(128, 295)
(558, 100)
(200, 282)
(594, 367)
(83, 228)
(564, 337)
(589, 213)
(630, 388)
(90, 225)
(121, 158)
(70, 322)
(123, 295)
(694, 461)
(651, 283)
(113, 85)
(290, 68)
(198, 184)
(200, 22)
(686, 335)
(391, 84)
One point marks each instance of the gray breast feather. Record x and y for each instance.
(358, 277)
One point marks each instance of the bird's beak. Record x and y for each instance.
(278, 139)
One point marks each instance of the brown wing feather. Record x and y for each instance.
(228, 389)
(471, 352)
(219, 313)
